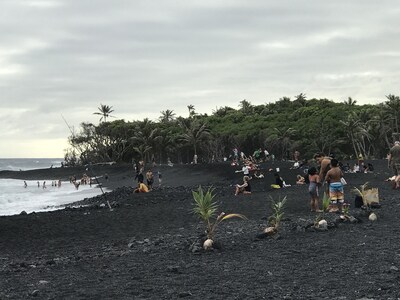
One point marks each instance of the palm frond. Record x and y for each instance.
(234, 216)
(205, 207)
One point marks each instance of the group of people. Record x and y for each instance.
(141, 186)
(258, 156)
(85, 179)
(329, 177)
(43, 185)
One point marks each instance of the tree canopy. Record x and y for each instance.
(316, 125)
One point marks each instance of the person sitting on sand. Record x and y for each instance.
(244, 188)
(300, 180)
(141, 188)
(258, 174)
(295, 166)
(279, 182)
(336, 192)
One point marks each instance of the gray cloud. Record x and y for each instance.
(141, 57)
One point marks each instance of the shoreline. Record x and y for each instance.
(91, 252)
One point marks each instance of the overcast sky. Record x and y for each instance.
(65, 57)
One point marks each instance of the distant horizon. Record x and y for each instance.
(32, 158)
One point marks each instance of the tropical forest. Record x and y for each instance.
(345, 128)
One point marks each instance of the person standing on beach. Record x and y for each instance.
(149, 179)
(313, 178)
(296, 155)
(25, 184)
(394, 163)
(44, 185)
(336, 191)
(324, 163)
(159, 178)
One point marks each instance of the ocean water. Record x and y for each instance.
(15, 164)
(15, 197)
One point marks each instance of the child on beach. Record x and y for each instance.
(336, 192)
(313, 178)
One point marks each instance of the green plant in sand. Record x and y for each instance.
(326, 201)
(275, 219)
(206, 208)
(346, 209)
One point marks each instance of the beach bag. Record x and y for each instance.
(343, 181)
(371, 196)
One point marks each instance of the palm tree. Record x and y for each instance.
(191, 110)
(300, 100)
(165, 143)
(282, 138)
(167, 116)
(350, 102)
(246, 107)
(145, 138)
(222, 111)
(382, 123)
(195, 132)
(393, 109)
(104, 111)
(354, 130)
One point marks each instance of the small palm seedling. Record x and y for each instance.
(346, 209)
(320, 221)
(326, 202)
(275, 219)
(206, 208)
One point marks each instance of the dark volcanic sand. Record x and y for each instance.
(146, 248)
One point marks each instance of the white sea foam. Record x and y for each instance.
(15, 198)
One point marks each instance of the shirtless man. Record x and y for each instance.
(336, 192)
(324, 166)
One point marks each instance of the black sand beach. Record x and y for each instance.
(147, 247)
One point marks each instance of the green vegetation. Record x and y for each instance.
(206, 208)
(326, 202)
(315, 125)
(277, 215)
